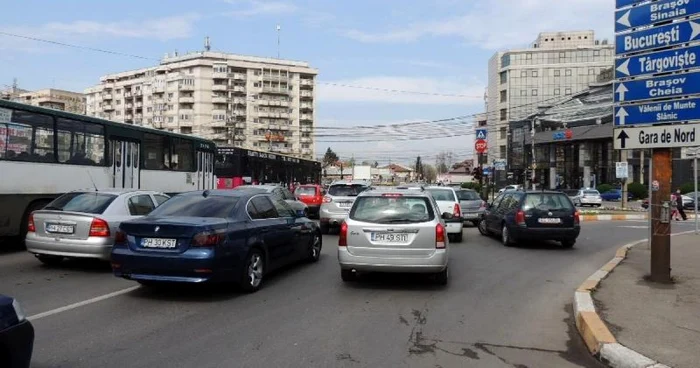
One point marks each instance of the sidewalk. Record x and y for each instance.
(661, 322)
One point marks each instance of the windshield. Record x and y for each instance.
(306, 191)
(547, 202)
(468, 195)
(346, 190)
(196, 206)
(383, 210)
(442, 194)
(87, 202)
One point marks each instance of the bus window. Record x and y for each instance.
(80, 143)
(156, 152)
(183, 154)
(28, 137)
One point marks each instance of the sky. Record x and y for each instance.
(438, 47)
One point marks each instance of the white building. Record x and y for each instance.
(244, 101)
(557, 65)
(54, 99)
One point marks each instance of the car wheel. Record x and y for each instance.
(442, 277)
(482, 228)
(324, 228)
(457, 237)
(315, 248)
(505, 236)
(347, 275)
(49, 260)
(254, 271)
(568, 243)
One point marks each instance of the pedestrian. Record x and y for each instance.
(674, 207)
(679, 205)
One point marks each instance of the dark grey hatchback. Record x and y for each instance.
(542, 215)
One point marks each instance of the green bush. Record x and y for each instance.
(638, 191)
(474, 186)
(602, 188)
(687, 188)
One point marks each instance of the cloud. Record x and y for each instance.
(434, 91)
(249, 8)
(500, 24)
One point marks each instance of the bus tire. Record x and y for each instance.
(34, 206)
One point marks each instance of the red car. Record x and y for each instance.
(312, 196)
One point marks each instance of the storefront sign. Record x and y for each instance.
(565, 135)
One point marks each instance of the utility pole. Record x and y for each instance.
(660, 214)
(534, 161)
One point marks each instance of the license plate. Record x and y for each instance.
(344, 204)
(549, 221)
(158, 243)
(60, 229)
(470, 215)
(397, 238)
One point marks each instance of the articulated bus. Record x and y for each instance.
(45, 153)
(237, 166)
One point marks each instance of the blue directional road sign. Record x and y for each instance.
(658, 112)
(481, 133)
(659, 87)
(657, 37)
(621, 3)
(486, 171)
(656, 12)
(658, 62)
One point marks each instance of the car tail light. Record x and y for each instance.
(439, 236)
(120, 237)
(457, 211)
(343, 235)
(392, 195)
(30, 224)
(99, 227)
(520, 218)
(327, 199)
(207, 239)
(577, 217)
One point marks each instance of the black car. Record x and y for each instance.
(536, 215)
(16, 335)
(219, 235)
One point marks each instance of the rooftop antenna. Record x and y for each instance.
(92, 180)
(207, 44)
(278, 40)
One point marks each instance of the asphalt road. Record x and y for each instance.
(503, 307)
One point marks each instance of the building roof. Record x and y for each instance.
(397, 168)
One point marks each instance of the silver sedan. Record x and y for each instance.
(82, 224)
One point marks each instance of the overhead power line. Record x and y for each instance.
(400, 91)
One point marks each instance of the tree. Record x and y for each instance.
(429, 173)
(329, 158)
(366, 163)
(351, 162)
(441, 163)
(419, 168)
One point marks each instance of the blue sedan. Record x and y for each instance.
(231, 236)
(16, 335)
(614, 195)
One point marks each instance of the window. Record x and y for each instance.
(160, 199)
(171, 119)
(393, 210)
(170, 95)
(503, 132)
(183, 155)
(118, 113)
(591, 71)
(535, 74)
(567, 91)
(596, 52)
(557, 73)
(264, 207)
(87, 202)
(80, 143)
(28, 137)
(503, 150)
(504, 114)
(342, 190)
(562, 55)
(534, 92)
(442, 194)
(283, 209)
(140, 205)
(528, 56)
(156, 152)
(504, 77)
(186, 130)
(568, 72)
(523, 92)
(557, 92)
(287, 194)
(196, 205)
(504, 96)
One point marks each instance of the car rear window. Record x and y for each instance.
(591, 192)
(196, 206)
(392, 210)
(547, 202)
(468, 195)
(346, 190)
(442, 194)
(87, 202)
(310, 191)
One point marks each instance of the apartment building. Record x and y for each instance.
(556, 66)
(54, 99)
(242, 101)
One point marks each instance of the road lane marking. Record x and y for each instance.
(81, 304)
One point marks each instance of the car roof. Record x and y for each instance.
(268, 187)
(242, 193)
(350, 182)
(113, 191)
(379, 191)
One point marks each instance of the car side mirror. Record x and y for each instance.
(447, 216)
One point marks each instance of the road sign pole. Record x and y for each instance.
(623, 199)
(695, 181)
(661, 228)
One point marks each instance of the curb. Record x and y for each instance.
(598, 339)
(588, 218)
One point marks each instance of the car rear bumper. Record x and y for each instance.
(434, 263)
(590, 201)
(526, 233)
(18, 341)
(192, 266)
(454, 227)
(472, 215)
(332, 218)
(99, 248)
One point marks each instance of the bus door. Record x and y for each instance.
(205, 170)
(125, 166)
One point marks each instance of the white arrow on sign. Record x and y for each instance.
(624, 67)
(696, 30)
(621, 90)
(621, 115)
(625, 19)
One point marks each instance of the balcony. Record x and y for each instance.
(306, 94)
(266, 102)
(129, 106)
(139, 116)
(219, 75)
(305, 139)
(237, 76)
(139, 105)
(138, 93)
(306, 106)
(239, 125)
(218, 123)
(239, 101)
(306, 117)
(128, 116)
(306, 83)
(306, 151)
(186, 87)
(238, 113)
(275, 90)
(239, 137)
(186, 99)
(128, 95)
(275, 77)
(273, 115)
(305, 129)
(106, 96)
(238, 89)
(218, 100)
(107, 107)
(219, 87)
